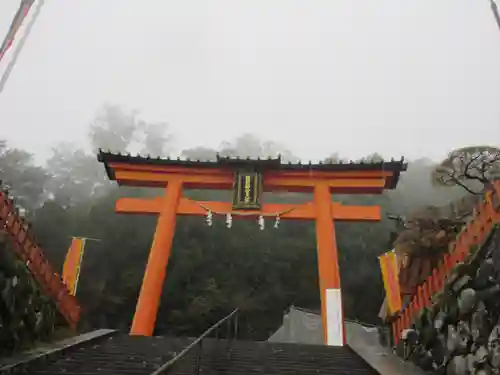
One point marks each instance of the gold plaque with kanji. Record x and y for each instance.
(247, 190)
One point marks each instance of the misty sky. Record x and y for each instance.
(403, 77)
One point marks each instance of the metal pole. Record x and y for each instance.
(198, 357)
(228, 334)
(236, 326)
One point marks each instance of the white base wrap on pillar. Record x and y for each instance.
(334, 321)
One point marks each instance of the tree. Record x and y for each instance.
(120, 130)
(372, 158)
(249, 145)
(336, 158)
(200, 153)
(76, 175)
(471, 168)
(155, 140)
(113, 129)
(22, 177)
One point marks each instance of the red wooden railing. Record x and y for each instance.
(486, 215)
(29, 252)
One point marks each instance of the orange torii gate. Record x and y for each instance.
(248, 179)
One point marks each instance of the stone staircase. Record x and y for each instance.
(271, 358)
(114, 355)
(120, 354)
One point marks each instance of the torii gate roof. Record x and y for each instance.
(391, 169)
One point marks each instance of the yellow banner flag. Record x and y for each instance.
(71, 267)
(390, 276)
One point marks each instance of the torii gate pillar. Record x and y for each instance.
(328, 267)
(156, 268)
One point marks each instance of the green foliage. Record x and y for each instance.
(26, 315)
(18, 173)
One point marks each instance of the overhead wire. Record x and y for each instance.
(16, 23)
(20, 46)
(494, 9)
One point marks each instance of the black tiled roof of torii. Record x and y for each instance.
(271, 163)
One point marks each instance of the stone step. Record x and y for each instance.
(122, 354)
(266, 358)
(119, 354)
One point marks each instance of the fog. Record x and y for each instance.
(413, 78)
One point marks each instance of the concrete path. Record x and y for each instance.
(365, 342)
(48, 348)
(305, 327)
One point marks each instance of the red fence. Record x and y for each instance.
(30, 253)
(486, 215)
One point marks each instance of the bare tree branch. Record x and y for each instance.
(469, 167)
